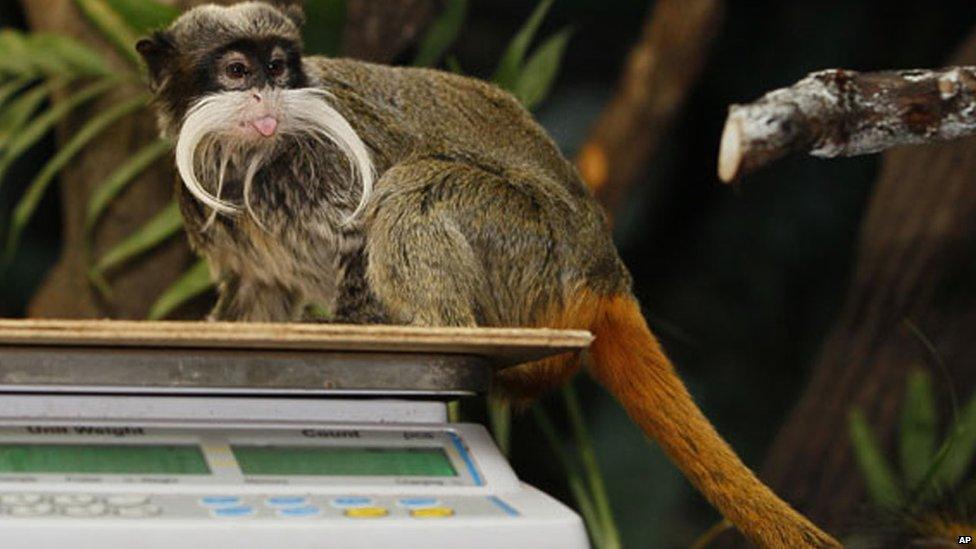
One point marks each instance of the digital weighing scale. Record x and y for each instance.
(216, 435)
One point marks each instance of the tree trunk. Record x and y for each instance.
(916, 261)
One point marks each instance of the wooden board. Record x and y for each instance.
(504, 346)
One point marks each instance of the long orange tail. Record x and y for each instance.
(628, 360)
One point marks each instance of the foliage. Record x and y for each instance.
(923, 472)
(442, 34)
(531, 80)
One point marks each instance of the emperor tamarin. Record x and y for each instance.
(412, 196)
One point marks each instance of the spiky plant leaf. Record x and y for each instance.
(18, 112)
(454, 64)
(500, 420)
(917, 433)
(35, 191)
(76, 58)
(35, 55)
(878, 476)
(39, 126)
(960, 457)
(112, 26)
(144, 15)
(159, 228)
(582, 497)
(116, 182)
(15, 55)
(10, 88)
(540, 70)
(442, 34)
(193, 283)
(510, 65)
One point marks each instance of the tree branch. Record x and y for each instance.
(845, 113)
(659, 72)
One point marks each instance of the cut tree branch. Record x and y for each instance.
(845, 113)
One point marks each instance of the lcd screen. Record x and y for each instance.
(111, 459)
(343, 461)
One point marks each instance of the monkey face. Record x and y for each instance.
(230, 88)
(213, 49)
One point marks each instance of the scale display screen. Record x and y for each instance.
(111, 459)
(343, 461)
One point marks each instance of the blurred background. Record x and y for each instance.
(785, 302)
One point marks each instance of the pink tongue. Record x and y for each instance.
(266, 125)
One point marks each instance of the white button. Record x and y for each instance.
(31, 510)
(93, 510)
(20, 499)
(127, 500)
(74, 499)
(140, 511)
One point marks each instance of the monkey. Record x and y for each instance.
(413, 196)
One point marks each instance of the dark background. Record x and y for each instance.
(740, 285)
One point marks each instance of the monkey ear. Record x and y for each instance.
(157, 51)
(293, 9)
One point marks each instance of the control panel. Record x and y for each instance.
(237, 484)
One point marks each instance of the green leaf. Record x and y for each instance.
(877, 473)
(35, 191)
(144, 16)
(11, 88)
(37, 54)
(540, 71)
(324, 20)
(14, 116)
(111, 24)
(918, 428)
(193, 283)
(510, 64)
(30, 134)
(500, 419)
(454, 65)
(162, 226)
(594, 477)
(15, 54)
(74, 56)
(959, 459)
(584, 502)
(442, 34)
(108, 189)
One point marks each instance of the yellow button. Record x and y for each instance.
(432, 512)
(367, 512)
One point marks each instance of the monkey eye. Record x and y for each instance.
(236, 70)
(275, 68)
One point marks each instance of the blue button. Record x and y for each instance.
(415, 503)
(286, 501)
(220, 501)
(239, 511)
(304, 511)
(352, 501)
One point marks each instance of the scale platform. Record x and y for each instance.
(236, 358)
(177, 434)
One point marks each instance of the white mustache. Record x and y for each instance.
(300, 112)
